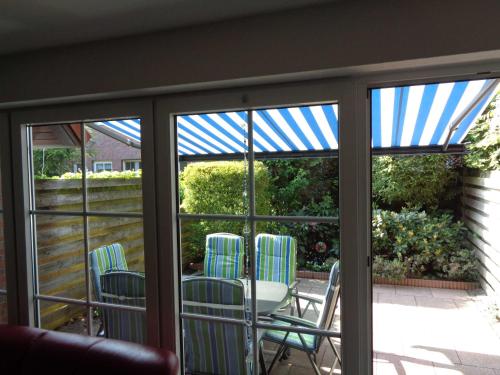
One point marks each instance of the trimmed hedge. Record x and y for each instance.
(217, 188)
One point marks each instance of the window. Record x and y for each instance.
(132, 165)
(239, 219)
(103, 166)
(87, 237)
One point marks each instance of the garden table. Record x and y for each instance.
(270, 295)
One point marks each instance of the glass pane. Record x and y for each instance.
(111, 184)
(213, 171)
(63, 317)
(3, 281)
(213, 346)
(60, 253)
(201, 239)
(56, 156)
(294, 262)
(121, 324)
(297, 170)
(3, 309)
(115, 244)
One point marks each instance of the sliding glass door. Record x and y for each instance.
(89, 232)
(264, 266)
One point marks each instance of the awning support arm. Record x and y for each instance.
(480, 96)
(109, 133)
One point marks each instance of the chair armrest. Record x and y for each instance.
(307, 298)
(294, 284)
(293, 320)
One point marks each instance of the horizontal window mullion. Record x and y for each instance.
(302, 219)
(211, 217)
(295, 329)
(87, 213)
(214, 319)
(305, 219)
(3, 291)
(89, 304)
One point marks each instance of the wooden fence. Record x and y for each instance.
(481, 213)
(60, 239)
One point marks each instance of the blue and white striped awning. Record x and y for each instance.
(424, 115)
(409, 116)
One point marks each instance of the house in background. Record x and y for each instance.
(108, 154)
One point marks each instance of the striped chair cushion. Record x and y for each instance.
(104, 259)
(276, 258)
(293, 340)
(224, 254)
(124, 288)
(213, 347)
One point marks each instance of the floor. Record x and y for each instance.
(418, 331)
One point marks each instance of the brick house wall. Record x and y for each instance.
(105, 148)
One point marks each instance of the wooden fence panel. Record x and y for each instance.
(60, 246)
(481, 214)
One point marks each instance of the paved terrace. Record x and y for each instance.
(418, 331)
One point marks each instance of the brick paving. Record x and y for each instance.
(418, 331)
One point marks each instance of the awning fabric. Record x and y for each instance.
(408, 116)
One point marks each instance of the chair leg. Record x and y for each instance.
(279, 353)
(262, 361)
(335, 351)
(299, 312)
(313, 363)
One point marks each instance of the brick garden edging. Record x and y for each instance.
(427, 283)
(423, 283)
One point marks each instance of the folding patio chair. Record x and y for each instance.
(224, 256)
(308, 343)
(124, 288)
(104, 259)
(212, 347)
(277, 260)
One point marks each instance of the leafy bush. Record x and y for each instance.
(484, 140)
(305, 186)
(414, 181)
(432, 246)
(218, 188)
(394, 269)
(54, 161)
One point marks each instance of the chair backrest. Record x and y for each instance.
(214, 347)
(332, 294)
(224, 256)
(104, 259)
(276, 258)
(124, 288)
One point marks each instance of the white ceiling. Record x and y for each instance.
(33, 24)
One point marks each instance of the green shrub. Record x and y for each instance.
(484, 140)
(218, 188)
(394, 269)
(414, 181)
(432, 246)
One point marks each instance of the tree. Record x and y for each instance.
(54, 161)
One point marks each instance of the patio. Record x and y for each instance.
(418, 331)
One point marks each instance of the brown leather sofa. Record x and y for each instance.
(25, 350)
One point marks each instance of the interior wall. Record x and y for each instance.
(324, 40)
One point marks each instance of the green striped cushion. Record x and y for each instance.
(213, 347)
(124, 288)
(276, 258)
(224, 256)
(293, 340)
(104, 259)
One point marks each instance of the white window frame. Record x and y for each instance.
(28, 295)
(137, 164)
(104, 163)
